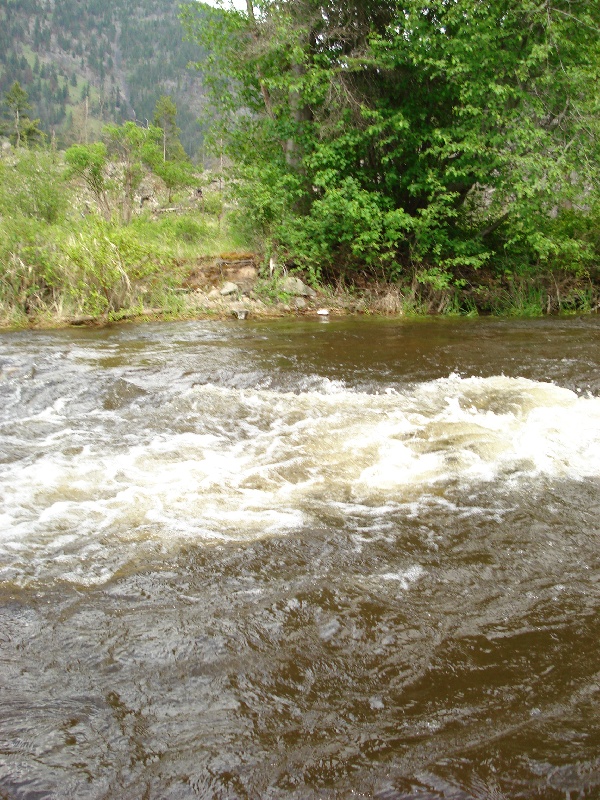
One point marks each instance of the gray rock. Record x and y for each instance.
(296, 287)
(229, 288)
(240, 313)
(300, 303)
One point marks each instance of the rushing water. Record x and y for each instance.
(301, 560)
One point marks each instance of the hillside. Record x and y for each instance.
(87, 62)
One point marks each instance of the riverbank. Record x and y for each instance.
(236, 285)
(62, 263)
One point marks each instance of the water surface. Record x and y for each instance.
(301, 560)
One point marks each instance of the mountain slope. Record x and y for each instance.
(87, 62)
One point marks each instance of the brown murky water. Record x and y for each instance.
(301, 560)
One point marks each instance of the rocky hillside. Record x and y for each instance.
(87, 62)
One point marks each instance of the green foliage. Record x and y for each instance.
(520, 299)
(89, 163)
(346, 225)
(174, 174)
(212, 203)
(26, 259)
(270, 292)
(189, 230)
(173, 230)
(108, 266)
(31, 185)
(165, 118)
(57, 262)
(130, 147)
(21, 129)
(174, 169)
(448, 137)
(434, 276)
(113, 170)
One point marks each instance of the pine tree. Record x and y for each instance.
(22, 128)
(165, 115)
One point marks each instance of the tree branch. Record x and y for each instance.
(494, 225)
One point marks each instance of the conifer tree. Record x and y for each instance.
(165, 118)
(21, 128)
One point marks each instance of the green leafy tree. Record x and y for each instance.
(175, 169)
(22, 129)
(174, 174)
(437, 137)
(165, 118)
(131, 147)
(89, 163)
(113, 170)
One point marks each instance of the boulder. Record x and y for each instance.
(294, 286)
(229, 288)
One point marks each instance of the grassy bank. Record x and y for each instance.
(62, 262)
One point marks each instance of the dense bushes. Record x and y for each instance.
(60, 258)
(412, 141)
(31, 186)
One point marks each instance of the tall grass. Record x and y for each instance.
(520, 299)
(60, 259)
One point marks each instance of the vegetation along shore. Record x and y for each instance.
(353, 158)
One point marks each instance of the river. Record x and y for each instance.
(301, 560)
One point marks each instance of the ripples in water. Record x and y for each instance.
(276, 584)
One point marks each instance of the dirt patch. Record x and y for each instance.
(207, 274)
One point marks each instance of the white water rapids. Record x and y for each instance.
(255, 462)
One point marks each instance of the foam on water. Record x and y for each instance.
(258, 462)
(406, 577)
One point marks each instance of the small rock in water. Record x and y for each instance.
(323, 312)
(229, 288)
(240, 313)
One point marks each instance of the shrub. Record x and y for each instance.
(108, 267)
(31, 184)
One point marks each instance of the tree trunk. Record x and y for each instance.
(263, 88)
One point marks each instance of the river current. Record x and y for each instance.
(301, 559)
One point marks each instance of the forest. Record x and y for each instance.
(85, 63)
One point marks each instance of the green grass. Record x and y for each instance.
(57, 260)
(521, 299)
